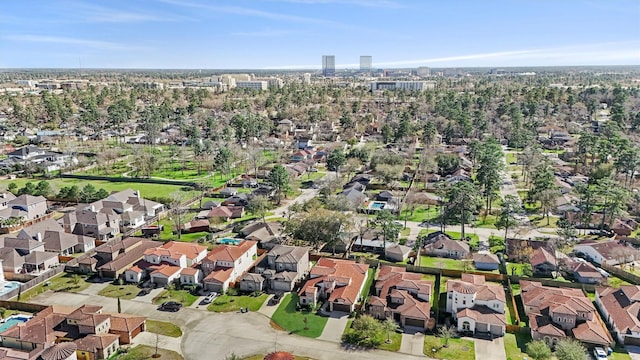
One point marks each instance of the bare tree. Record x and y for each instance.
(177, 212)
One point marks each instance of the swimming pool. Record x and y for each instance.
(376, 205)
(12, 321)
(229, 241)
(8, 286)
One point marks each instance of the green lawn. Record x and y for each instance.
(126, 292)
(227, 303)
(394, 345)
(288, 318)
(421, 213)
(182, 296)
(459, 349)
(486, 223)
(443, 263)
(163, 328)
(619, 353)
(147, 190)
(616, 282)
(62, 282)
(515, 345)
(511, 158)
(144, 352)
(371, 273)
(456, 235)
(541, 221)
(515, 269)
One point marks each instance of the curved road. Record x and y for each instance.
(215, 335)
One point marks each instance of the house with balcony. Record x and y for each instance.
(226, 264)
(557, 313)
(26, 207)
(403, 296)
(338, 282)
(280, 270)
(477, 306)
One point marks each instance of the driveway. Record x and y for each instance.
(335, 327)
(412, 344)
(490, 350)
(222, 333)
(266, 309)
(95, 287)
(164, 342)
(149, 297)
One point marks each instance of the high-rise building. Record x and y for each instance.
(328, 65)
(366, 63)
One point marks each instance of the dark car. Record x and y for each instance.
(170, 306)
(144, 291)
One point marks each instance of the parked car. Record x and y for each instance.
(209, 298)
(144, 291)
(599, 353)
(170, 306)
(275, 299)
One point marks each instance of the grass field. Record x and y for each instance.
(443, 263)
(126, 292)
(144, 352)
(394, 345)
(421, 213)
(515, 345)
(182, 296)
(367, 285)
(511, 158)
(146, 190)
(62, 282)
(163, 328)
(227, 303)
(287, 317)
(459, 349)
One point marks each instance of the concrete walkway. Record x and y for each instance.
(94, 288)
(164, 342)
(412, 344)
(336, 323)
(489, 350)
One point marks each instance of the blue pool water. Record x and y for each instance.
(12, 321)
(8, 286)
(377, 205)
(229, 241)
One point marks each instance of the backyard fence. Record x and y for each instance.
(622, 274)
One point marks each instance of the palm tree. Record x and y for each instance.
(390, 326)
(446, 333)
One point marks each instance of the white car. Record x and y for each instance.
(209, 298)
(599, 353)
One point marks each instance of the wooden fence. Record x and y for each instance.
(622, 274)
(22, 306)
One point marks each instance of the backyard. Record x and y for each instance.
(459, 349)
(445, 263)
(515, 345)
(302, 323)
(63, 282)
(227, 303)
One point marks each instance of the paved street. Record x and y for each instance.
(218, 335)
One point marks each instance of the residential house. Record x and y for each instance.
(164, 274)
(128, 201)
(40, 261)
(449, 248)
(49, 160)
(557, 313)
(283, 267)
(224, 264)
(403, 296)
(12, 261)
(620, 309)
(582, 271)
(385, 196)
(94, 334)
(339, 282)
(251, 282)
(194, 226)
(477, 306)
(176, 253)
(543, 262)
(268, 235)
(611, 252)
(88, 222)
(228, 192)
(114, 260)
(217, 214)
(486, 261)
(397, 252)
(519, 249)
(239, 200)
(5, 198)
(25, 206)
(191, 276)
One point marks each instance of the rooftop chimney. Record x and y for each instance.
(39, 236)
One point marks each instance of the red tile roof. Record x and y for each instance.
(333, 270)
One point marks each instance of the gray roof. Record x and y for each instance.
(253, 277)
(38, 257)
(485, 257)
(288, 254)
(58, 240)
(397, 249)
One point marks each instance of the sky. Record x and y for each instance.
(291, 34)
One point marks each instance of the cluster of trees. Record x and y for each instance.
(369, 332)
(85, 194)
(41, 188)
(565, 349)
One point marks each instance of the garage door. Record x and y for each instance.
(628, 340)
(414, 322)
(496, 330)
(341, 307)
(213, 287)
(482, 327)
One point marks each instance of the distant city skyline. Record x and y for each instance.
(294, 34)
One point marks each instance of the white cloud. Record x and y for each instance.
(364, 3)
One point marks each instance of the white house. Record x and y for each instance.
(611, 252)
(133, 274)
(190, 276)
(165, 274)
(477, 306)
(227, 263)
